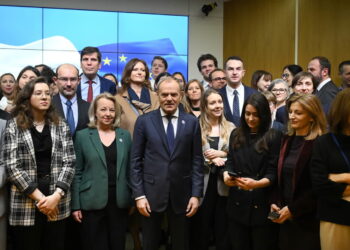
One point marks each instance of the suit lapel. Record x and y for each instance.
(58, 105)
(29, 143)
(96, 142)
(181, 123)
(227, 108)
(80, 113)
(120, 147)
(54, 132)
(158, 124)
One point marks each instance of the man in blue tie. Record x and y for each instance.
(66, 102)
(166, 168)
(235, 93)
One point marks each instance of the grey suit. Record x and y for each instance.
(2, 194)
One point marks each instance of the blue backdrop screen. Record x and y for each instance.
(56, 36)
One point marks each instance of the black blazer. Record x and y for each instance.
(163, 176)
(327, 93)
(227, 110)
(4, 115)
(251, 208)
(83, 108)
(303, 205)
(327, 159)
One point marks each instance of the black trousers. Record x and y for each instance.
(178, 228)
(244, 237)
(43, 235)
(104, 229)
(210, 220)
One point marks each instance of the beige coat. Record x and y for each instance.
(129, 115)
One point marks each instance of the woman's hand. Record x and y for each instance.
(246, 183)
(284, 214)
(340, 178)
(48, 204)
(77, 216)
(212, 153)
(228, 180)
(219, 162)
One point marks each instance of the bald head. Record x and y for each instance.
(67, 80)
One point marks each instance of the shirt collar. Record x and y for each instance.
(324, 82)
(176, 114)
(230, 90)
(84, 79)
(64, 99)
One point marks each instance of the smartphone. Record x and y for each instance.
(273, 215)
(233, 174)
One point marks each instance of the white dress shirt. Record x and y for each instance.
(174, 119)
(230, 96)
(324, 82)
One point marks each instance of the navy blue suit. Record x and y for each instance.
(167, 179)
(227, 110)
(106, 86)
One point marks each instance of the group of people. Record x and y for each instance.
(211, 162)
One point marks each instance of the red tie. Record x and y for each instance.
(90, 92)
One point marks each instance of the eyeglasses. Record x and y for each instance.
(285, 75)
(219, 79)
(66, 79)
(279, 90)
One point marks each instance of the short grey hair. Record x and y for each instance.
(276, 81)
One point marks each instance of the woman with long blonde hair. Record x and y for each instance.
(216, 131)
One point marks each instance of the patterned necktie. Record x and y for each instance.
(70, 117)
(90, 92)
(235, 113)
(170, 134)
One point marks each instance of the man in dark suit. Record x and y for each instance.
(91, 84)
(166, 168)
(67, 80)
(320, 68)
(235, 93)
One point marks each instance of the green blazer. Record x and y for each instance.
(90, 184)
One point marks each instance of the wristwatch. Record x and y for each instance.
(60, 192)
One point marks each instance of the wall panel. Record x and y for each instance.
(261, 32)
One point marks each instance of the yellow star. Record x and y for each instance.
(107, 61)
(122, 58)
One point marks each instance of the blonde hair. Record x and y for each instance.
(93, 108)
(225, 126)
(312, 105)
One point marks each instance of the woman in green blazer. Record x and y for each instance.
(100, 191)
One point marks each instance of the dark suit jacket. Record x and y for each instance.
(4, 115)
(90, 184)
(327, 93)
(303, 205)
(227, 110)
(163, 176)
(83, 108)
(106, 86)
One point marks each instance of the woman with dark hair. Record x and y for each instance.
(27, 74)
(211, 215)
(289, 71)
(261, 80)
(135, 97)
(159, 78)
(7, 91)
(39, 157)
(294, 202)
(181, 79)
(111, 77)
(330, 167)
(100, 192)
(250, 169)
(193, 94)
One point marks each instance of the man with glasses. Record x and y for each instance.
(217, 79)
(67, 103)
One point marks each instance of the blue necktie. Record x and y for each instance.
(70, 117)
(235, 113)
(170, 134)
